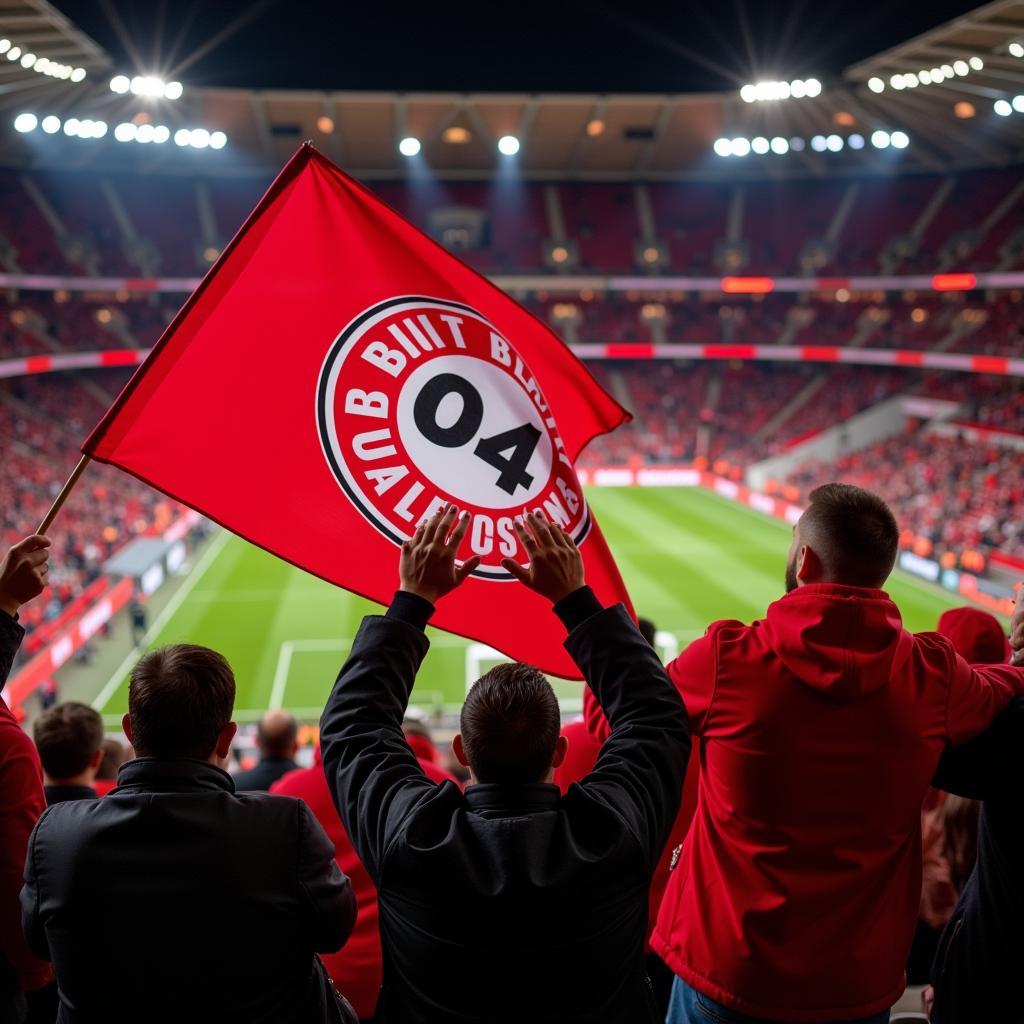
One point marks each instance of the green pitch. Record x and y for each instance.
(688, 557)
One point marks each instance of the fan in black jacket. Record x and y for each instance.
(509, 902)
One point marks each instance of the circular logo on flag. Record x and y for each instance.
(421, 402)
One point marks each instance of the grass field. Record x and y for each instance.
(688, 557)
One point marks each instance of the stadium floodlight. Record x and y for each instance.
(183, 137)
(813, 87)
(25, 123)
(760, 145)
(899, 140)
(910, 80)
(71, 126)
(798, 89)
(50, 124)
(947, 70)
(218, 140)
(880, 139)
(120, 84)
(14, 53)
(508, 145)
(173, 91)
(819, 144)
(924, 77)
(748, 93)
(783, 90)
(1018, 104)
(961, 67)
(797, 144)
(876, 84)
(896, 81)
(78, 75)
(855, 141)
(28, 59)
(723, 147)
(409, 146)
(1002, 108)
(5, 45)
(1016, 50)
(145, 133)
(834, 143)
(938, 74)
(161, 133)
(125, 132)
(99, 129)
(976, 64)
(199, 138)
(780, 146)
(740, 146)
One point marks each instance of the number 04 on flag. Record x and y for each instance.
(337, 377)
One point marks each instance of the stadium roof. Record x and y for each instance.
(950, 118)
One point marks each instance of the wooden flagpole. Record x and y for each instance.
(63, 496)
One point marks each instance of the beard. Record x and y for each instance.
(791, 581)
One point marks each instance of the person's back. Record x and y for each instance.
(821, 726)
(214, 901)
(509, 902)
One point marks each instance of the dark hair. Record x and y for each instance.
(647, 629)
(67, 736)
(510, 724)
(853, 532)
(180, 698)
(277, 733)
(114, 755)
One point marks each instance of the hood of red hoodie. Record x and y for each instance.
(844, 641)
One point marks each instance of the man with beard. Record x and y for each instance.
(821, 726)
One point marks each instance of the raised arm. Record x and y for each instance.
(374, 777)
(640, 770)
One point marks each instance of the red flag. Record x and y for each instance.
(336, 377)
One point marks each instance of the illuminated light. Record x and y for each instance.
(61, 295)
(650, 255)
(876, 85)
(125, 132)
(210, 253)
(218, 140)
(182, 137)
(173, 90)
(896, 81)
(855, 141)
(760, 145)
(834, 143)
(43, 66)
(723, 147)
(919, 315)
(819, 144)
(813, 87)
(653, 311)
(456, 135)
(120, 84)
(5, 45)
(976, 64)
(900, 140)
(960, 67)
(1016, 50)
(324, 124)
(748, 285)
(25, 123)
(740, 147)
(947, 70)
(28, 59)
(559, 254)
(142, 117)
(14, 53)
(145, 133)
(199, 138)
(783, 90)
(99, 129)
(595, 127)
(779, 145)
(78, 75)
(748, 94)
(19, 317)
(964, 110)
(51, 125)
(797, 144)
(798, 89)
(1002, 108)
(924, 77)
(938, 74)
(1018, 104)
(104, 316)
(844, 118)
(508, 145)
(954, 282)
(880, 139)
(409, 146)
(842, 295)
(161, 133)
(910, 80)
(71, 126)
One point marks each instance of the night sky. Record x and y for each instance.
(522, 46)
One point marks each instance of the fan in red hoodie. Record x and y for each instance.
(356, 968)
(821, 726)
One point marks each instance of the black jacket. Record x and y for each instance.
(509, 903)
(175, 899)
(976, 974)
(263, 774)
(61, 794)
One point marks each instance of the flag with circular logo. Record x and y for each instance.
(337, 377)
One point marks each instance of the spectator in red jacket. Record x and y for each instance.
(356, 969)
(23, 574)
(821, 727)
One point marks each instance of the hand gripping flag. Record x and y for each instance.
(338, 376)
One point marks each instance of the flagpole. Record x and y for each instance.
(63, 496)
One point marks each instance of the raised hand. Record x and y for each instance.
(556, 566)
(427, 566)
(23, 572)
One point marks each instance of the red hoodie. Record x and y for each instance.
(585, 740)
(821, 727)
(356, 967)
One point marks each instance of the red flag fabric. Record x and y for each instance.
(338, 376)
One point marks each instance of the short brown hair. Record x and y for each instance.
(510, 724)
(853, 532)
(180, 697)
(67, 736)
